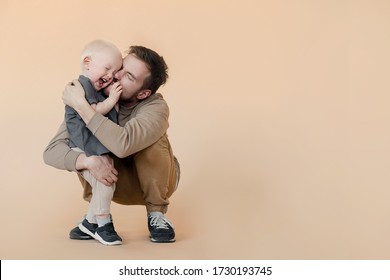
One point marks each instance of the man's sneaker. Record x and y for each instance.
(77, 234)
(160, 228)
(107, 235)
(88, 228)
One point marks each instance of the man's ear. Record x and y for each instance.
(86, 62)
(145, 93)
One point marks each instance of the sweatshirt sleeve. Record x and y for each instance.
(58, 154)
(148, 124)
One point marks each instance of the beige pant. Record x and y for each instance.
(148, 178)
(100, 201)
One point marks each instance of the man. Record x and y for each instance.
(145, 170)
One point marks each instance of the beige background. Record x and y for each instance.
(279, 116)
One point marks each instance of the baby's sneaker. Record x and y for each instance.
(107, 235)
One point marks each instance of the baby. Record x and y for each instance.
(99, 62)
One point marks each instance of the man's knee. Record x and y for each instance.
(157, 168)
(158, 151)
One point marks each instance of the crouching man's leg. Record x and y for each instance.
(158, 173)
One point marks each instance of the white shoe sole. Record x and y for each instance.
(101, 240)
(85, 230)
(98, 237)
(159, 241)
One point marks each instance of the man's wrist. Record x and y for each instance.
(81, 162)
(81, 105)
(85, 111)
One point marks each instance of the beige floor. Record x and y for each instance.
(217, 217)
(279, 116)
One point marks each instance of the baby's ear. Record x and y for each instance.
(86, 62)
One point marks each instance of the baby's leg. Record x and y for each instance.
(98, 222)
(100, 204)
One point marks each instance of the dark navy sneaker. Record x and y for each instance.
(77, 234)
(88, 228)
(107, 235)
(160, 228)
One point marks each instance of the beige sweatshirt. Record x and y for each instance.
(139, 127)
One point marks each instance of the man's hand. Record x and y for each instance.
(74, 95)
(101, 167)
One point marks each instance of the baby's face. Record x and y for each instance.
(102, 68)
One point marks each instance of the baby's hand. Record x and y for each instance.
(116, 91)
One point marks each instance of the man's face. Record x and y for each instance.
(131, 77)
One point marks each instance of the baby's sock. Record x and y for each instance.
(102, 220)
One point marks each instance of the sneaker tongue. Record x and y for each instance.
(156, 214)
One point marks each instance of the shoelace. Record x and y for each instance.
(160, 222)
